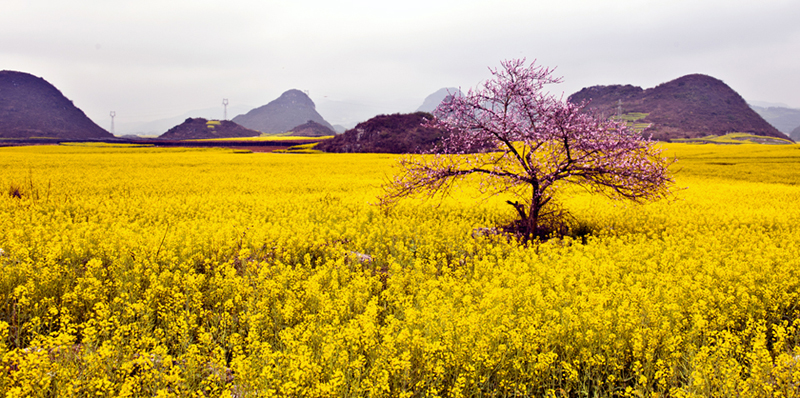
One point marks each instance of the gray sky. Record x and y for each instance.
(152, 59)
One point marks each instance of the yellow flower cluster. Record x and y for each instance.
(140, 271)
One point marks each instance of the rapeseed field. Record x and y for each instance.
(139, 271)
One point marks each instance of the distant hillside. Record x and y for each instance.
(784, 119)
(692, 106)
(433, 100)
(795, 134)
(348, 112)
(311, 129)
(291, 109)
(159, 126)
(735, 139)
(32, 107)
(199, 128)
(398, 133)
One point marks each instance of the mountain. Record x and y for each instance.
(398, 133)
(344, 114)
(156, 127)
(199, 128)
(348, 113)
(32, 107)
(291, 109)
(311, 129)
(765, 104)
(783, 118)
(795, 134)
(433, 100)
(691, 106)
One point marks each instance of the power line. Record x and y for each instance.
(112, 120)
(225, 112)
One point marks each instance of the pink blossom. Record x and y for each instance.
(523, 141)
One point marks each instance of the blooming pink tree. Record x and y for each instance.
(522, 141)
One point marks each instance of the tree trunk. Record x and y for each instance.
(522, 225)
(533, 219)
(528, 223)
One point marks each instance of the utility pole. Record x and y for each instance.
(112, 121)
(225, 105)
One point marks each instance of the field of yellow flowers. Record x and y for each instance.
(138, 271)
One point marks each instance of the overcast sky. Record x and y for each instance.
(152, 59)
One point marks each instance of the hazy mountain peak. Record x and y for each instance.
(295, 97)
(765, 104)
(291, 109)
(433, 100)
(784, 119)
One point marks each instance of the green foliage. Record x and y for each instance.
(735, 139)
(631, 117)
(303, 148)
